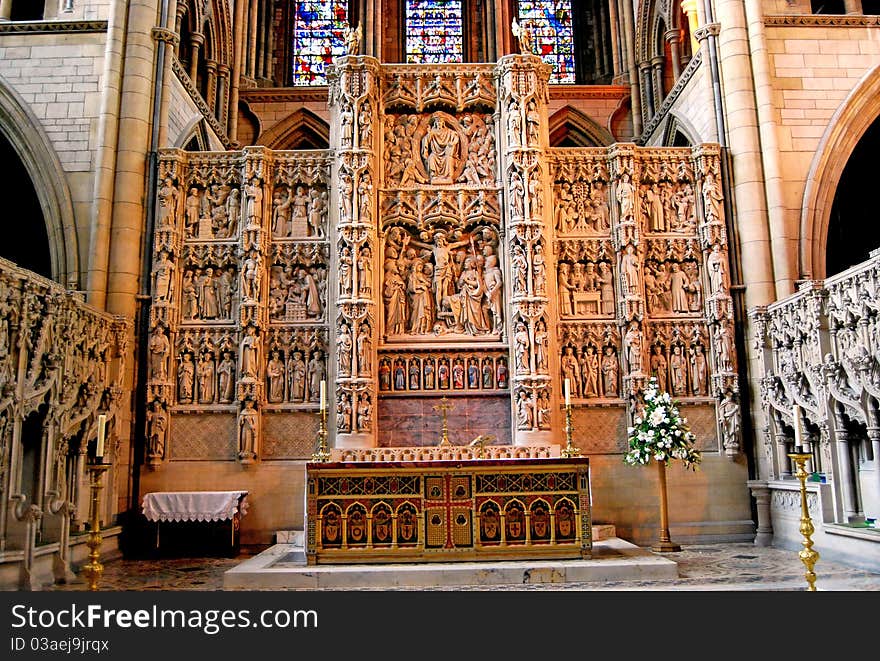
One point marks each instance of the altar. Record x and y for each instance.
(447, 509)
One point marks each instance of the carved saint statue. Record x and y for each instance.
(440, 150)
(248, 423)
(157, 423)
(275, 378)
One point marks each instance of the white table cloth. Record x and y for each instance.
(194, 505)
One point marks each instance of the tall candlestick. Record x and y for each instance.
(796, 414)
(568, 392)
(102, 431)
(323, 394)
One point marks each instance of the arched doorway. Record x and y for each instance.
(851, 216)
(30, 249)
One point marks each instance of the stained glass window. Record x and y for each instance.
(550, 24)
(319, 29)
(434, 31)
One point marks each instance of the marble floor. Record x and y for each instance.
(720, 567)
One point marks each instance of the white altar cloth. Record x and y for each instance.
(194, 505)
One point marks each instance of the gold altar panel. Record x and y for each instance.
(418, 511)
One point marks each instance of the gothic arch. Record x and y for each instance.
(845, 129)
(569, 125)
(24, 132)
(302, 129)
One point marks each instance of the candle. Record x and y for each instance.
(568, 392)
(796, 414)
(323, 394)
(102, 430)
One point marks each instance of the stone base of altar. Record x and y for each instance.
(283, 567)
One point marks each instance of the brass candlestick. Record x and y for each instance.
(321, 453)
(443, 407)
(94, 569)
(570, 450)
(665, 544)
(807, 555)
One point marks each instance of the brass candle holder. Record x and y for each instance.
(94, 569)
(807, 555)
(322, 454)
(570, 449)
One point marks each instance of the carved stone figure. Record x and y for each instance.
(233, 212)
(251, 276)
(660, 367)
(168, 197)
(493, 280)
(317, 373)
(629, 267)
(206, 379)
(343, 350)
(440, 150)
(159, 352)
(724, 347)
(296, 377)
(394, 296)
(590, 372)
(248, 425)
(250, 352)
(191, 212)
(564, 288)
(713, 200)
(633, 344)
(364, 412)
(678, 284)
(226, 378)
(253, 192)
(157, 425)
(542, 343)
(364, 349)
(716, 264)
(299, 212)
(209, 307)
(524, 411)
(610, 375)
(606, 288)
(281, 213)
(728, 413)
(275, 378)
(626, 194)
(365, 272)
(353, 40)
(571, 371)
(699, 370)
(677, 372)
(186, 376)
(521, 342)
(317, 207)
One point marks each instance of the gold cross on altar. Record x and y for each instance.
(443, 407)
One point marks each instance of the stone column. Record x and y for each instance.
(253, 20)
(223, 94)
(522, 99)
(657, 79)
(196, 39)
(5, 9)
(672, 36)
(178, 22)
(354, 90)
(237, 68)
(636, 95)
(647, 81)
(761, 493)
(852, 6)
(613, 20)
(211, 90)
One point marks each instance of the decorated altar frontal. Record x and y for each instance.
(448, 510)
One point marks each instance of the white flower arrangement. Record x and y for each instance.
(661, 433)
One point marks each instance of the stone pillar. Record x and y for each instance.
(647, 87)
(223, 94)
(211, 89)
(237, 68)
(5, 9)
(613, 20)
(178, 22)
(253, 20)
(629, 32)
(657, 75)
(523, 96)
(354, 92)
(761, 493)
(196, 39)
(852, 6)
(673, 37)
